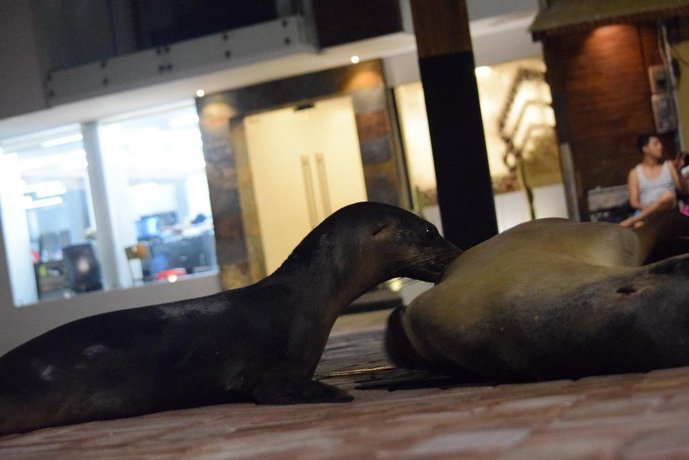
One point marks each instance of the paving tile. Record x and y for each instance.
(676, 401)
(541, 405)
(666, 444)
(632, 424)
(459, 442)
(42, 450)
(665, 379)
(565, 446)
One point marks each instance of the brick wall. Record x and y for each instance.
(602, 99)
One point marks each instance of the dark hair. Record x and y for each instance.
(643, 139)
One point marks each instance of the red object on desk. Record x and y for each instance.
(171, 274)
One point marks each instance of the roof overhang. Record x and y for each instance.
(567, 16)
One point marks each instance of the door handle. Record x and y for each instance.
(323, 184)
(308, 188)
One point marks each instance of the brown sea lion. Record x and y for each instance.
(552, 299)
(259, 343)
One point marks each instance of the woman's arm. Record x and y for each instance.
(633, 186)
(680, 183)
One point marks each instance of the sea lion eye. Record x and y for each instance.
(430, 233)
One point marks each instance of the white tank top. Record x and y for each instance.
(651, 189)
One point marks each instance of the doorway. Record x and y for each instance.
(305, 164)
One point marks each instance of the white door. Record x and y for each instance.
(305, 165)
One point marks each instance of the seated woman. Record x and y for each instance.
(653, 183)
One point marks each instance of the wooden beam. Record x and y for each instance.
(446, 62)
(438, 27)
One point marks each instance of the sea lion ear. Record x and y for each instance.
(379, 228)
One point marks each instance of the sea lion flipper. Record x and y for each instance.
(283, 389)
(397, 345)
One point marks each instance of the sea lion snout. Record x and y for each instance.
(428, 254)
(431, 266)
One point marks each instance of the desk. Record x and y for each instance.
(51, 279)
(194, 254)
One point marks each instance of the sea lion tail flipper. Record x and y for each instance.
(285, 389)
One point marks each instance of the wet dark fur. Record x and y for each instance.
(259, 343)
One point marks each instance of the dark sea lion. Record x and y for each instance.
(552, 299)
(259, 343)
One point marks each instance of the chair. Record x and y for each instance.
(82, 269)
(142, 253)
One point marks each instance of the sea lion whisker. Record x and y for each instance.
(427, 262)
(626, 290)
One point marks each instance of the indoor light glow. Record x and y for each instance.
(182, 121)
(46, 189)
(74, 160)
(145, 188)
(396, 284)
(354, 59)
(62, 140)
(42, 203)
(483, 71)
(200, 93)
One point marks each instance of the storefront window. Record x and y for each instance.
(140, 178)
(519, 127)
(416, 138)
(47, 216)
(162, 216)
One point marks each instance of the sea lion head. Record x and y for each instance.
(367, 243)
(394, 242)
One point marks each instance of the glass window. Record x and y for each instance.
(155, 169)
(47, 216)
(518, 123)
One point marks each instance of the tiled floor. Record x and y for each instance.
(636, 416)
